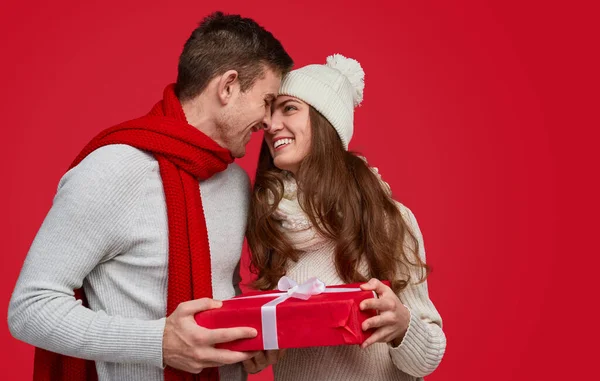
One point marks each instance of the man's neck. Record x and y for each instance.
(197, 114)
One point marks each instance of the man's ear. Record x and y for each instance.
(228, 84)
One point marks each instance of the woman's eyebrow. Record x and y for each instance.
(283, 103)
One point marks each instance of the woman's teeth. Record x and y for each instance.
(281, 142)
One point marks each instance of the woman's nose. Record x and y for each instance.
(273, 125)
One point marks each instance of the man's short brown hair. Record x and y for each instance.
(228, 42)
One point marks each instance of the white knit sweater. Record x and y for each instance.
(422, 347)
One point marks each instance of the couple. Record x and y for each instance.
(147, 227)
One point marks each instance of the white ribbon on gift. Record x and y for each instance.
(291, 289)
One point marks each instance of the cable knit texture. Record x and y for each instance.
(423, 345)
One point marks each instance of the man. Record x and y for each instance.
(132, 229)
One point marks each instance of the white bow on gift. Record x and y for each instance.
(290, 289)
(304, 291)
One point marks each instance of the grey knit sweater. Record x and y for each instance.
(107, 231)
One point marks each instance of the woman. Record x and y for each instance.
(319, 210)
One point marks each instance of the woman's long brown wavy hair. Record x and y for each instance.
(352, 208)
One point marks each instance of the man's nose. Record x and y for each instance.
(267, 122)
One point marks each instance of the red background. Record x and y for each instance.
(479, 115)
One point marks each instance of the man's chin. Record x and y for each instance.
(238, 153)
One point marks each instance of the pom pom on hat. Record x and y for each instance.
(352, 70)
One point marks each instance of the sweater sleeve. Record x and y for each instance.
(87, 224)
(424, 343)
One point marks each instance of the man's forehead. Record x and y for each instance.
(272, 79)
(268, 85)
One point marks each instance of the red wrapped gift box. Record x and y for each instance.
(331, 317)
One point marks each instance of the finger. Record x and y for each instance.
(225, 356)
(370, 285)
(225, 335)
(378, 321)
(379, 336)
(375, 285)
(381, 304)
(210, 364)
(198, 305)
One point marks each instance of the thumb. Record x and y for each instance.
(371, 285)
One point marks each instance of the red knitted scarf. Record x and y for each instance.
(185, 155)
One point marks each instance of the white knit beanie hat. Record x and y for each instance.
(333, 89)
